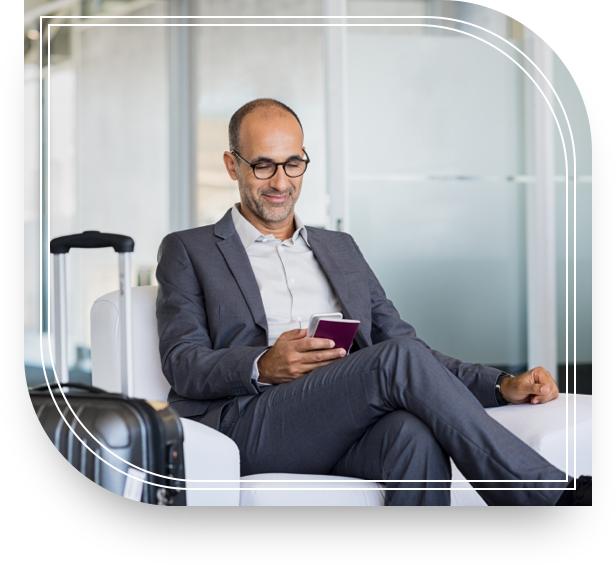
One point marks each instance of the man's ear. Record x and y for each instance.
(229, 160)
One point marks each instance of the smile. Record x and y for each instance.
(276, 198)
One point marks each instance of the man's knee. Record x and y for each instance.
(402, 427)
(406, 343)
(410, 444)
(405, 347)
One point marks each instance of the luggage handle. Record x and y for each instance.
(123, 245)
(92, 240)
(73, 385)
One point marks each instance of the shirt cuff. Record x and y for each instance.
(255, 372)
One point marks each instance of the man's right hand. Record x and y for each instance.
(294, 355)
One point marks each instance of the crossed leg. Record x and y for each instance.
(390, 410)
(398, 446)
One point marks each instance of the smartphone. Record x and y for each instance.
(315, 318)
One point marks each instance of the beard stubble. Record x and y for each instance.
(265, 210)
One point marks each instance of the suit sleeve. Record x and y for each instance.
(193, 368)
(387, 324)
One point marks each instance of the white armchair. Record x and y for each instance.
(562, 438)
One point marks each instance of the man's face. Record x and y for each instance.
(275, 137)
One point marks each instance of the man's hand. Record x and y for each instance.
(535, 386)
(294, 355)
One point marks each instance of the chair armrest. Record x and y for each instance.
(564, 440)
(549, 430)
(210, 456)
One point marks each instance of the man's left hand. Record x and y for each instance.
(535, 386)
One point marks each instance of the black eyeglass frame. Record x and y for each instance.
(253, 165)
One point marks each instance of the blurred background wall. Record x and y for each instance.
(431, 147)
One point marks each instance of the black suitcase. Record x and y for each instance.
(129, 446)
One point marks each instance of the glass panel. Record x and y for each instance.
(62, 195)
(583, 211)
(388, 8)
(238, 64)
(446, 105)
(108, 163)
(451, 258)
(435, 131)
(122, 161)
(31, 216)
(574, 105)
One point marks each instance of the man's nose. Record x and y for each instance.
(280, 180)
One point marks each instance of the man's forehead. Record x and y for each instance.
(271, 130)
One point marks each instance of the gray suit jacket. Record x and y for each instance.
(212, 325)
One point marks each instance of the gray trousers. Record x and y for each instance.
(388, 412)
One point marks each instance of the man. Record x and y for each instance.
(233, 305)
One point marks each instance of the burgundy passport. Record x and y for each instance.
(341, 332)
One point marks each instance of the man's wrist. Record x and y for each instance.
(256, 376)
(500, 399)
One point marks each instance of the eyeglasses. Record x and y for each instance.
(264, 170)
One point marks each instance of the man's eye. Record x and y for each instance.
(293, 164)
(263, 166)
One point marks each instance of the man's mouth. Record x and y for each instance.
(277, 198)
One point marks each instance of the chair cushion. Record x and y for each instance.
(210, 456)
(149, 380)
(329, 493)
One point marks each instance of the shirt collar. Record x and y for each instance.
(249, 234)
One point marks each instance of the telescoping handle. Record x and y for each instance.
(81, 386)
(124, 246)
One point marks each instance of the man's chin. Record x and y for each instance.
(278, 218)
(276, 212)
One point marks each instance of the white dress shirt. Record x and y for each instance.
(293, 285)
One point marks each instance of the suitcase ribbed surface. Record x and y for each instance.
(131, 429)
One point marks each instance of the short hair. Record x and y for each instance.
(237, 118)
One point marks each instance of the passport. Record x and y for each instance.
(342, 332)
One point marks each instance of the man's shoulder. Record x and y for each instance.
(329, 235)
(201, 235)
(336, 242)
(188, 242)
(192, 234)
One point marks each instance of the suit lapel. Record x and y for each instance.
(237, 260)
(326, 256)
(331, 268)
